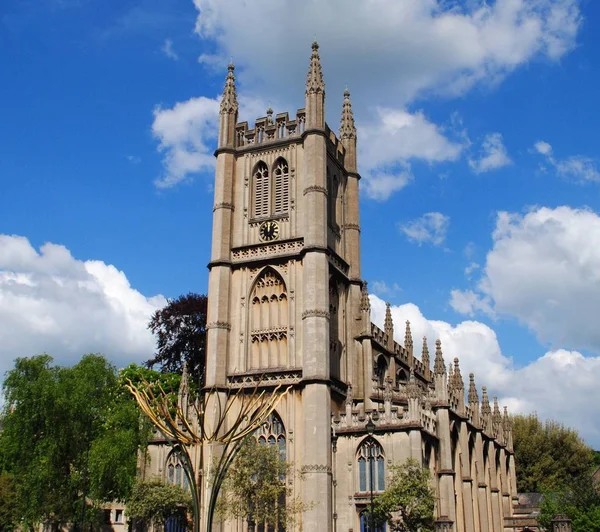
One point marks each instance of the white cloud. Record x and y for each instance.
(472, 266)
(493, 155)
(187, 134)
(559, 385)
(544, 269)
(51, 302)
(381, 185)
(167, 49)
(576, 167)
(429, 228)
(469, 303)
(405, 47)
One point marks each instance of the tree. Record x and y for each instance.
(408, 502)
(8, 502)
(75, 424)
(548, 455)
(580, 501)
(180, 330)
(255, 487)
(154, 502)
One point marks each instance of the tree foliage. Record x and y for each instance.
(154, 502)
(69, 435)
(8, 502)
(408, 502)
(548, 455)
(580, 501)
(255, 487)
(180, 330)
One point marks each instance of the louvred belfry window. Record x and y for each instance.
(261, 190)
(281, 187)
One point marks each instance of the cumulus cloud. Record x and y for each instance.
(559, 385)
(168, 50)
(187, 134)
(493, 155)
(576, 167)
(51, 302)
(544, 269)
(381, 288)
(429, 228)
(405, 48)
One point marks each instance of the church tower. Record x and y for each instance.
(284, 300)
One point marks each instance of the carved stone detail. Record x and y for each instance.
(267, 250)
(224, 205)
(219, 325)
(316, 468)
(315, 188)
(318, 313)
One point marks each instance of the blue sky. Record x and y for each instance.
(478, 135)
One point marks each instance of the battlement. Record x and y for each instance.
(266, 129)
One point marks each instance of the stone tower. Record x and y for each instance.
(284, 283)
(287, 305)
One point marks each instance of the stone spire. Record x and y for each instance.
(413, 394)
(365, 304)
(473, 397)
(439, 374)
(229, 103)
(315, 92)
(486, 410)
(439, 366)
(425, 355)
(388, 327)
(365, 309)
(314, 79)
(408, 341)
(459, 384)
(229, 110)
(347, 127)
(496, 419)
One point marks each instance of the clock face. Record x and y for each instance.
(269, 231)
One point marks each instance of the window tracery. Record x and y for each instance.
(271, 191)
(371, 466)
(175, 473)
(269, 322)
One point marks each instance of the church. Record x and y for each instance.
(287, 305)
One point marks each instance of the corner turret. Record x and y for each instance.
(228, 113)
(315, 92)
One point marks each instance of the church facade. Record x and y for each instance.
(287, 305)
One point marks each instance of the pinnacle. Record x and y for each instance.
(314, 79)
(347, 127)
(388, 324)
(408, 341)
(425, 353)
(439, 366)
(485, 402)
(458, 380)
(229, 102)
(365, 304)
(473, 397)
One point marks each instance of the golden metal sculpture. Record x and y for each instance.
(220, 416)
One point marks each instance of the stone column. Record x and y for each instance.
(445, 473)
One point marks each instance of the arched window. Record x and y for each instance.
(175, 473)
(282, 187)
(401, 377)
(335, 330)
(379, 370)
(262, 190)
(272, 432)
(371, 466)
(366, 526)
(268, 322)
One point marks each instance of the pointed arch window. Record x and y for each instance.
(371, 466)
(175, 473)
(272, 432)
(271, 190)
(282, 188)
(262, 190)
(268, 322)
(366, 526)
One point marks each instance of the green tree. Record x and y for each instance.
(580, 501)
(548, 455)
(408, 502)
(255, 487)
(69, 436)
(154, 502)
(8, 502)
(180, 330)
